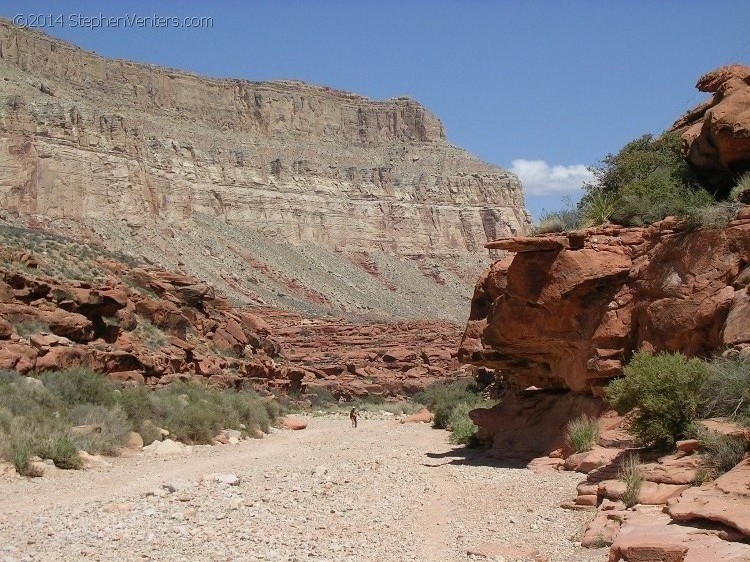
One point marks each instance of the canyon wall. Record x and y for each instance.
(86, 138)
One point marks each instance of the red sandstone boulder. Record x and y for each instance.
(648, 535)
(726, 501)
(589, 460)
(716, 134)
(6, 330)
(423, 416)
(526, 425)
(293, 423)
(17, 357)
(68, 324)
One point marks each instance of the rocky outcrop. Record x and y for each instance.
(110, 143)
(673, 516)
(725, 501)
(566, 311)
(716, 134)
(145, 325)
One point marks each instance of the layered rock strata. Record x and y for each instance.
(84, 138)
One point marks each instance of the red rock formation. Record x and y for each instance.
(354, 360)
(567, 310)
(716, 134)
(150, 325)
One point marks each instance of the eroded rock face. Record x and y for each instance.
(147, 325)
(82, 137)
(568, 317)
(716, 134)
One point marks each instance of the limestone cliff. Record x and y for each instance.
(85, 138)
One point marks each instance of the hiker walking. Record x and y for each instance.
(354, 416)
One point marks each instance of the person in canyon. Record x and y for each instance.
(354, 416)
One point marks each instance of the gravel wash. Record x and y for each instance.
(382, 492)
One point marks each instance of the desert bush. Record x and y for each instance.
(726, 389)
(195, 413)
(599, 207)
(321, 396)
(717, 215)
(721, 453)
(632, 474)
(38, 421)
(652, 199)
(647, 180)
(39, 434)
(582, 433)
(662, 391)
(114, 425)
(441, 398)
(247, 409)
(80, 386)
(26, 328)
(152, 336)
(461, 426)
(375, 399)
(9, 377)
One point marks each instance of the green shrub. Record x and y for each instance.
(582, 433)
(375, 399)
(321, 396)
(652, 199)
(26, 328)
(38, 421)
(632, 474)
(721, 453)
(80, 386)
(441, 398)
(726, 389)
(463, 430)
(663, 393)
(17, 448)
(39, 434)
(195, 413)
(9, 377)
(647, 180)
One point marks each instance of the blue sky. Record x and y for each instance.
(543, 88)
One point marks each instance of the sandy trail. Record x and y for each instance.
(385, 491)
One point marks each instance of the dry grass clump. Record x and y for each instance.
(582, 433)
(632, 474)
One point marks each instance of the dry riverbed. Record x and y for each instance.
(383, 492)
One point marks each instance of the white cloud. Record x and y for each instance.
(539, 178)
